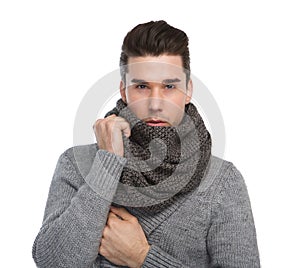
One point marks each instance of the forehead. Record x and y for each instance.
(155, 69)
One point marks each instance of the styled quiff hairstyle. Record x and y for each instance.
(155, 38)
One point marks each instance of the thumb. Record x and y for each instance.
(125, 127)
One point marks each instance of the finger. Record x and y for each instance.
(102, 250)
(124, 126)
(112, 215)
(113, 221)
(105, 232)
(100, 121)
(114, 121)
(116, 142)
(123, 213)
(111, 116)
(127, 131)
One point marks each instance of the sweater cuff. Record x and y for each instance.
(156, 257)
(105, 173)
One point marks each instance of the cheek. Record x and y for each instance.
(138, 106)
(177, 108)
(139, 110)
(180, 101)
(132, 96)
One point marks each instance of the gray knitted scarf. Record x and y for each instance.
(162, 162)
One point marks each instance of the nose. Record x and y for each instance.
(155, 100)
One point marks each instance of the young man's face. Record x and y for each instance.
(156, 89)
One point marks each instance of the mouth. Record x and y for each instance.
(156, 122)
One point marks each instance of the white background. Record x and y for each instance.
(245, 52)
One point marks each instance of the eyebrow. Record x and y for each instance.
(165, 81)
(169, 81)
(138, 81)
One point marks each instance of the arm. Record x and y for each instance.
(156, 257)
(231, 240)
(76, 212)
(124, 243)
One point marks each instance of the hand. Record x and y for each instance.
(108, 132)
(123, 239)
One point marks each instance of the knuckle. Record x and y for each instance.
(111, 222)
(97, 123)
(105, 231)
(111, 215)
(106, 124)
(110, 123)
(134, 219)
(102, 250)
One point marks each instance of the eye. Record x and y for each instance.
(169, 86)
(141, 86)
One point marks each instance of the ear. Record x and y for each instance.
(189, 92)
(122, 91)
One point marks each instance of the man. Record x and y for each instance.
(149, 193)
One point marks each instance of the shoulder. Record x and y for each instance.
(217, 172)
(81, 157)
(222, 179)
(81, 151)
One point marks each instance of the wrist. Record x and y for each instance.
(142, 256)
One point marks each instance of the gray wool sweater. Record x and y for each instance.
(211, 226)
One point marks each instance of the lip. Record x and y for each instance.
(156, 122)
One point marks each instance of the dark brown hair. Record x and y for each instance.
(155, 38)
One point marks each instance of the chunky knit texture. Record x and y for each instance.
(175, 162)
(211, 226)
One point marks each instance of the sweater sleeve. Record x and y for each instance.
(157, 257)
(76, 212)
(231, 240)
